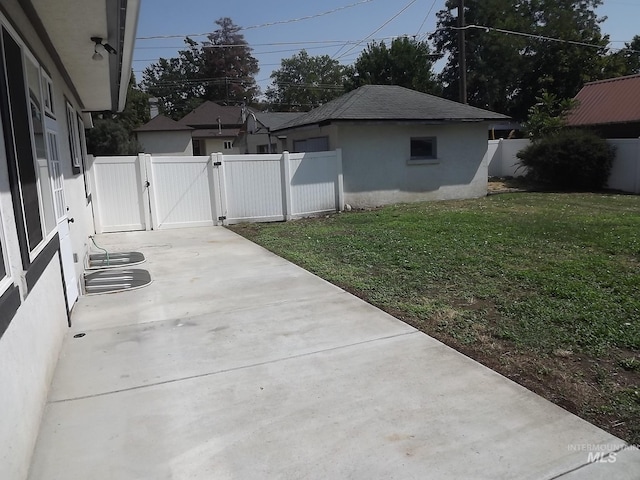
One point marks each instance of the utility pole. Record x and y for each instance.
(462, 52)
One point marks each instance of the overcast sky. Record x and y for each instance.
(335, 26)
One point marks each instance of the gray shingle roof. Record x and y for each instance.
(208, 113)
(391, 103)
(162, 124)
(274, 120)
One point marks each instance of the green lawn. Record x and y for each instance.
(543, 287)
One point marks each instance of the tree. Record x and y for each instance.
(303, 82)
(112, 133)
(506, 72)
(548, 116)
(625, 61)
(407, 62)
(177, 82)
(229, 66)
(221, 69)
(494, 63)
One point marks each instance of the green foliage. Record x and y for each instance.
(570, 159)
(304, 82)
(625, 61)
(407, 62)
(548, 116)
(222, 69)
(113, 132)
(110, 137)
(506, 72)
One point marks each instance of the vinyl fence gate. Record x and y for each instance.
(147, 192)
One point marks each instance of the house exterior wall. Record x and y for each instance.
(28, 355)
(216, 145)
(166, 143)
(31, 335)
(377, 167)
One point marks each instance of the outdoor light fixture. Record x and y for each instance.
(100, 48)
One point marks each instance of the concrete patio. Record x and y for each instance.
(236, 364)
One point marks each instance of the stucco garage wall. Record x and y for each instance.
(166, 143)
(29, 352)
(375, 162)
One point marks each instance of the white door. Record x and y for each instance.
(66, 250)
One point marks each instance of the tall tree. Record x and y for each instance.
(221, 69)
(177, 82)
(506, 72)
(229, 66)
(303, 82)
(494, 61)
(407, 62)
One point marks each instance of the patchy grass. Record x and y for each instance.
(542, 287)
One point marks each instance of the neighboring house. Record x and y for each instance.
(256, 136)
(165, 137)
(214, 128)
(52, 73)
(609, 107)
(399, 145)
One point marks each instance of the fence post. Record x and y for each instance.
(212, 178)
(144, 164)
(339, 181)
(222, 185)
(287, 206)
(97, 223)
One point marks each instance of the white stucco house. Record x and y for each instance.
(59, 60)
(164, 136)
(212, 127)
(399, 145)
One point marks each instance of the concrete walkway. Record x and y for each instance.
(236, 364)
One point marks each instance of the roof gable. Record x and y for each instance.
(161, 123)
(616, 100)
(208, 113)
(389, 103)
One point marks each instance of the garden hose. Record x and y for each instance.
(100, 248)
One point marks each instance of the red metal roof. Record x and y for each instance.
(616, 100)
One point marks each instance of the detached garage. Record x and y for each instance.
(399, 145)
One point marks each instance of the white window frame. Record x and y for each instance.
(74, 138)
(47, 94)
(228, 145)
(6, 282)
(27, 56)
(83, 152)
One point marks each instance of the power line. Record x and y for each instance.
(539, 37)
(270, 24)
(427, 16)
(374, 32)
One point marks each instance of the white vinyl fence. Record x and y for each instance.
(625, 173)
(144, 192)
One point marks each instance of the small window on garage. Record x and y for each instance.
(228, 144)
(423, 148)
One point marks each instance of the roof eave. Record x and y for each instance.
(398, 121)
